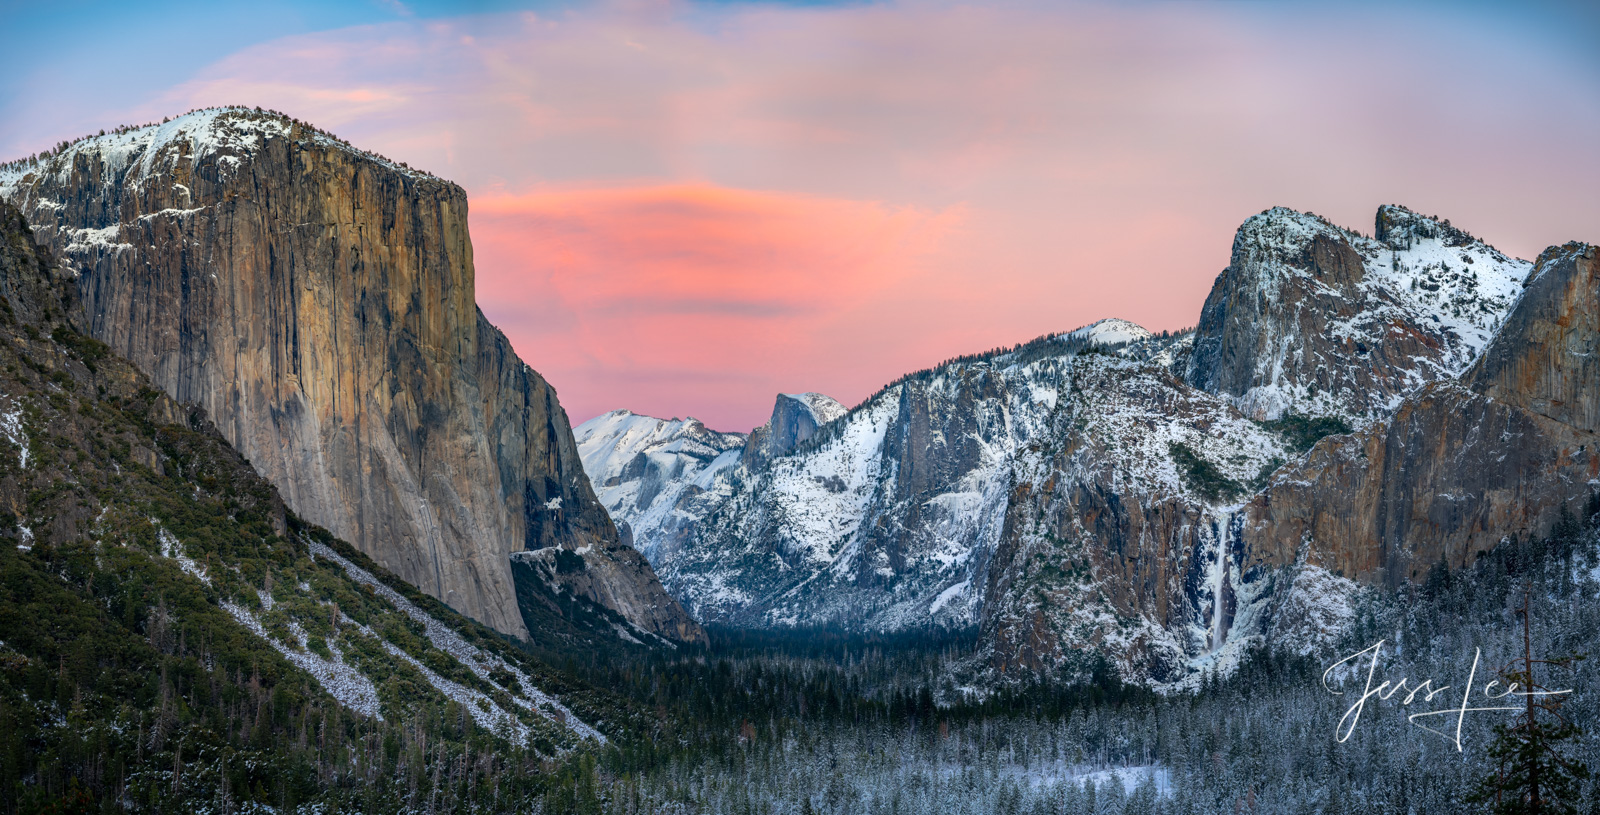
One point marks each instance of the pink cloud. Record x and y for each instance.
(683, 209)
(686, 294)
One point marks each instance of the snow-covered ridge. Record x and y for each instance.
(886, 514)
(641, 466)
(1283, 233)
(1110, 331)
(609, 442)
(792, 528)
(1441, 275)
(657, 476)
(141, 152)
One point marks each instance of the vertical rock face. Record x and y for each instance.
(318, 302)
(1547, 361)
(795, 418)
(1315, 319)
(1461, 465)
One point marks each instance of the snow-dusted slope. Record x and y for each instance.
(823, 407)
(132, 162)
(1116, 536)
(642, 467)
(134, 155)
(1110, 332)
(879, 516)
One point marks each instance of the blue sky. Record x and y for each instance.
(66, 64)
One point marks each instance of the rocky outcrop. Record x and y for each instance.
(1461, 465)
(1315, 319)
(1545, 359)
(795, 418)
(318, 303)
(1168, 580)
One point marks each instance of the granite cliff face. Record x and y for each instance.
(1544, 360)
(134, 535)
(318, 303)
(795, 419)
(1116, 532)
(1462, 464)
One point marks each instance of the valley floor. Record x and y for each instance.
(770, 725)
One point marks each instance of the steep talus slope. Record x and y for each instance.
(317, 302)
(1315, 319)
(170, 632)
(1461, 465)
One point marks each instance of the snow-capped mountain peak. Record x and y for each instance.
(641, 466)
(823, 407)
(795, 419)
(1110, 332)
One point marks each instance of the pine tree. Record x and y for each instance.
(1534, 775)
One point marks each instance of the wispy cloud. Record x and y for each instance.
(396, 7)
(596, 286)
